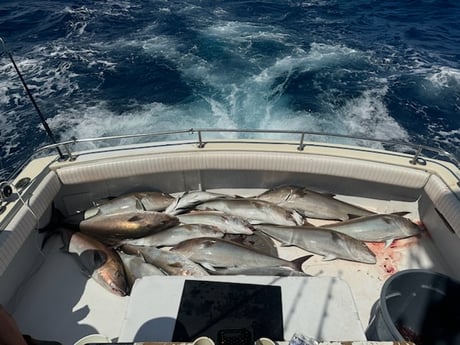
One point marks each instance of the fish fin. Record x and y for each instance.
(91, 260)
(350, 216)
(288, 196)
(134, 218)
(54, 226)
(329, 257)
(388, 243)
(139, 205)
(75, 219)
(401, 214)
(66, 236)
(173, 205)
(306, 222)
(299, 261)
(208, 266)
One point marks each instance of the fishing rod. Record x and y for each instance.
(37, 109)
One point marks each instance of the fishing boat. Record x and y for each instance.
(46, 292)
(316, 295)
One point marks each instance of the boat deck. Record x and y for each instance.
(59, 302)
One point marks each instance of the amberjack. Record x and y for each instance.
(227, 223)
(136, 268)
(214, 253)
(176, 234)
(312, 204)
(112, 228)
(377, 228)
(170, 262)
(256, 211)
(192, 198)
(97, 260)
(331, 244)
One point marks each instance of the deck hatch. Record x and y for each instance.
(207, 308)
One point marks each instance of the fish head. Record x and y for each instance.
(356, 249)
(112, 276)
(160, 220)
(410, 228)
(241, 224)
(405, 225)
(149, 220)
(168, 220)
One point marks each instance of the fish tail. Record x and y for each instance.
(299, 262)
(53, 227)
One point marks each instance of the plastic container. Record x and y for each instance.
(419, 306)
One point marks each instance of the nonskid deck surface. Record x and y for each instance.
(76, 306)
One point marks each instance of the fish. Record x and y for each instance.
(136, 267)
(331, 244)
(112, 228)
(279, 271)
(176, 234)
(190, 199)
(312, 204)
(256, 211)
(97, 261)
(377, 228)
(147, 201)
(170, 262)
(229, 224)
(130, 202)
(213, 253)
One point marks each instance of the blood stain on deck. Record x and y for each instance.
(390, 258)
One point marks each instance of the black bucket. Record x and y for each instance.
(419, 306)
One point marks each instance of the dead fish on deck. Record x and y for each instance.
(331, 244)
(190, 199)
(113, 228)
(170, 262)
(176, 234)
(136, 268)
(97, 260)
(377, 228)
(256, 211)
(131, 202)
(147, 201)
(312, 204)
(279, 271)
(214, 253)
(229, 224)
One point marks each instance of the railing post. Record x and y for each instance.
(301, 145)
(200, 141)
(417, 154)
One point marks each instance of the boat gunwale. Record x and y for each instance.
(417, 157)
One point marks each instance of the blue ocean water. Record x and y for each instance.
(386, 69)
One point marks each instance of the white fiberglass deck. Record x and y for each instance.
(76, 306)
(321, 307)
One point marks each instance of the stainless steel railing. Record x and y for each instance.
(418, 152)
